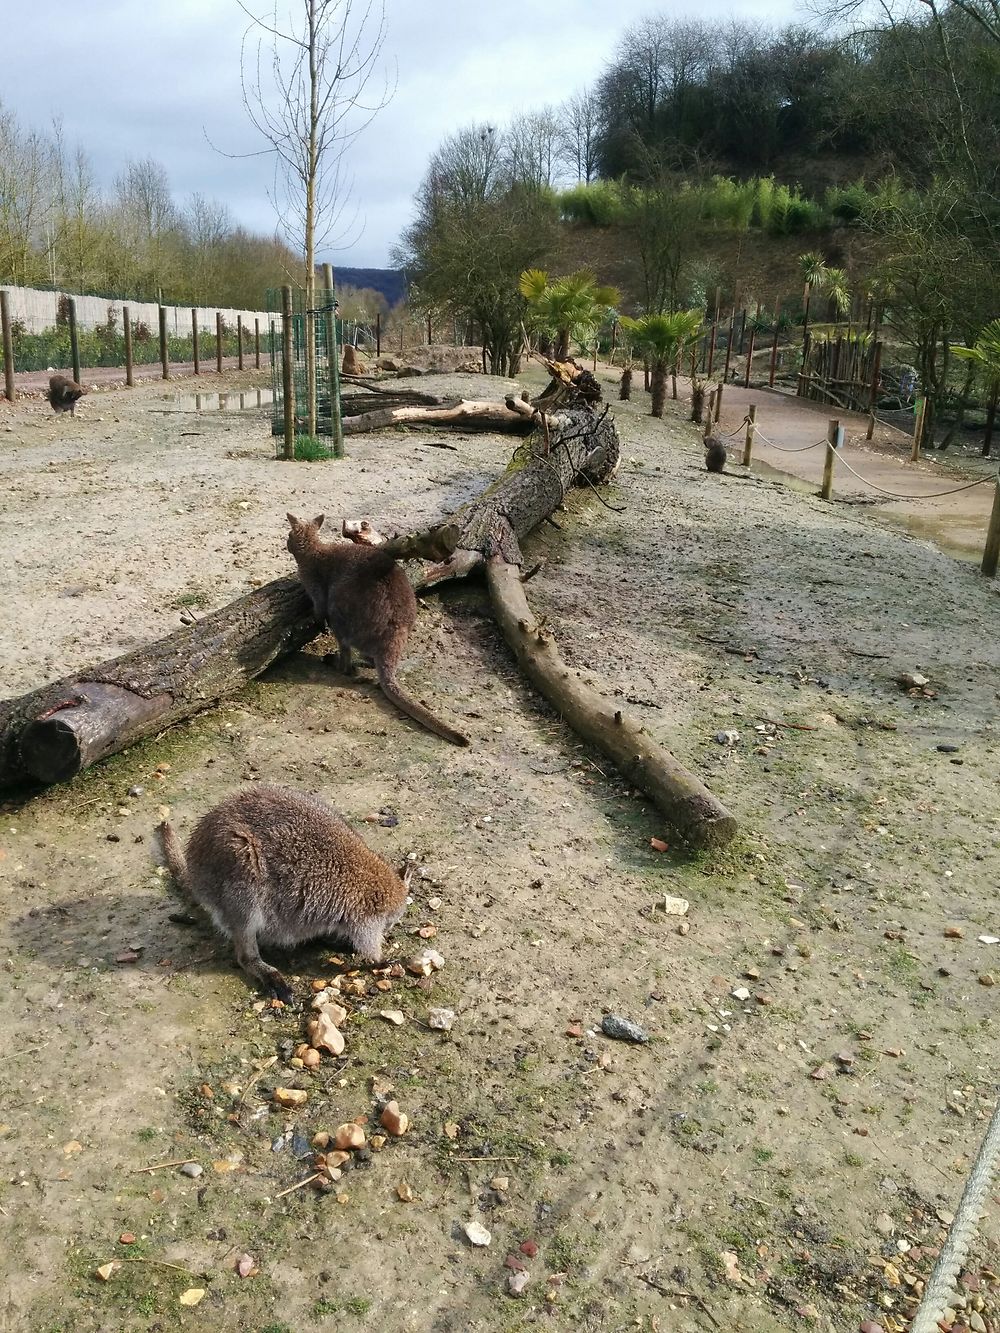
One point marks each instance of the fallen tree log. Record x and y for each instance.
(55, 732)
(686, 802)
(514, 415)
(58, 730)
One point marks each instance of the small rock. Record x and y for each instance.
(529, 1247)
(727, 737)
(394, 1016)
(127, 1238)
(423, 964)
(324, 1034)
(477, 1233)
(349, 1136)
(405, 1192)
(193, 1296)
(441, 1020)
(434, 904)
(501, 1183)
(885, 1224)
(622, 1029)
(912, 680)
(954, 933)
(976, 1322)
(376, 1142)
(393, 1120)
(740, 993)
(246, 1265)
(107, 1271)
(516, 1282)
(136, 791)
(321, 1140)
(988, 939)
(948, 749)
(292, 1098)
(192, 1169)
(987, 979)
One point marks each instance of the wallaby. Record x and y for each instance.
(275, 866)
(367, 601)
(63, 393)
(715, 454)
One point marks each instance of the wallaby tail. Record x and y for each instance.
(403, 701)
(174, 853)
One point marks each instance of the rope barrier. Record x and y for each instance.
(941, 1284)
(895, 495)
(934, 495)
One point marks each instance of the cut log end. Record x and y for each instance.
(51, 751)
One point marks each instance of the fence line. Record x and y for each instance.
(38, 311)
(835, 438)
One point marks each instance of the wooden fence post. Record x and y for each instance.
(918, 429)
(164, 359)
(256, 342)
(753, 335)
(194, 341)
(718, 400)
(378, 332)
(74, 340)
(751, 432)
(287, 384)
(774, 347)
(127, 330)
(239, 342)
(876, 373)
(218, 341)
(711, 350)
(333, 352)
(991, 553)
(729, 346)
(8, 348)
(871, 426)
(831, 453)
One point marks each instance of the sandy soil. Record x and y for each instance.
(781, 1161)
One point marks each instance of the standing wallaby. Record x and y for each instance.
(63, 393)
(715, 454)
(367, 601)
(279, 867)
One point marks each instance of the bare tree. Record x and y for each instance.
(25, 163)
(306, 93)
(579, 126)
(532, 144)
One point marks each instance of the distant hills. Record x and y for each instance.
(391, 282)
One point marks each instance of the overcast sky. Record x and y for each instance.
(136, 78)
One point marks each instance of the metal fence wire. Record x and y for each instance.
(328, 338)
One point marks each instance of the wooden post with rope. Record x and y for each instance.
(826, 490)
(991, 552)
(751, 432)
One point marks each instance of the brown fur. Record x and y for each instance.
(63, 393)
(367, 601)
(275, 866)
(715, 455)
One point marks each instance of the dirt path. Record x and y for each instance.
(758, 1164)
(107, 377)
(957, 523)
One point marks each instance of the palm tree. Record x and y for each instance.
(662, 339)
(813, 269)
(570, 308)
(985, 358)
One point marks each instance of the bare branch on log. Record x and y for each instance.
(687, 803)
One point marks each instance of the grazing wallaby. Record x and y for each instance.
(367, 601)
(63, 393)
(279, 867)
(715, 454)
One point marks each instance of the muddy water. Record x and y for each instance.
(240, 401)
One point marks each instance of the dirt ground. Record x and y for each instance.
(781, 1158)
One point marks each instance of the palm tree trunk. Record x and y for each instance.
(991, 416)
(658, 386)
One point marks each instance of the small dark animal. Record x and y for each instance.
(715, 455)
(274, 866)
(63, 393)
(367, 601)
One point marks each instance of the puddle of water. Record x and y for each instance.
(962, 539)
(243, 401)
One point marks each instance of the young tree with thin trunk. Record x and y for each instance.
(307, 93)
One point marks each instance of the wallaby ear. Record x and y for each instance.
(318, 520)
(293, 522)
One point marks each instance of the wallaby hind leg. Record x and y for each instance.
(248, 957)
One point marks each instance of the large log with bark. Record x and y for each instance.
(58, 730)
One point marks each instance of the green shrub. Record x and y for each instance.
(596, 205)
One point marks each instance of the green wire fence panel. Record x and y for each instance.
(328, 339)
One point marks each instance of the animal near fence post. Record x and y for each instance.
(239, 341)
(218, 341)
(127, 330)
(751, 432)
(164, 360)
(991, 553)
(8, 348)
(287, 387)
(74, 340)
(826, 490)
(194, 341)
